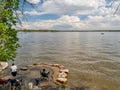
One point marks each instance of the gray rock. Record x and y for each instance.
(3, 65)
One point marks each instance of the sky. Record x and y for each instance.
(70, 15)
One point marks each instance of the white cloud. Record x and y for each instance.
(71, 7)
(74, 23)
(103, 22)
(33, 12)
(104, 11)
(74, 7)
(33, 1)
(98, 16)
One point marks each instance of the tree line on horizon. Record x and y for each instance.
(25, 30)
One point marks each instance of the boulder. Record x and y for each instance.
(64, 70)
(62, 80)
(62, 75)
(3, 65)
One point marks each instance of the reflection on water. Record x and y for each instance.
(93, 59)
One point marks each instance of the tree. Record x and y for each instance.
(8, 35)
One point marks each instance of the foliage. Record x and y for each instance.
(8, 35)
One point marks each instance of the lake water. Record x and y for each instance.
(92, 58)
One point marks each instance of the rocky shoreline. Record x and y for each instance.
(57, 78)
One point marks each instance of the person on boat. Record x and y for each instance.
(13, 70)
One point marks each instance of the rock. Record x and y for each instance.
(30, 85)
(62, 75)
(35, 87)
(43, 64)
(64, 70)
(35, 64)
(24, 68)
(3, 65)
(61, 67)
(40, 64)
(62, 80)
(57, 77)
(6, 77)
(55, 65)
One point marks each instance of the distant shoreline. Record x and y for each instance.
(68, 30)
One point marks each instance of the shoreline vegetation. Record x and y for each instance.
(68, 30)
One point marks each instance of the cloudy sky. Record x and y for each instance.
(70, 15)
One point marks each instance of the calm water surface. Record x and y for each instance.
(92, 58)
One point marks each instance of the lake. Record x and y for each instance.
(93, 58)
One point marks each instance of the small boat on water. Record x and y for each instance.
(102, 33)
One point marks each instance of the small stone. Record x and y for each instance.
(30, 85)
(35, 64)
(35, 87)
(24, 68)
